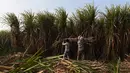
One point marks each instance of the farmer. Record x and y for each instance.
(80, 53)
(66, 43)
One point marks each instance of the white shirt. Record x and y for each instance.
(67, 46)
(80, 43)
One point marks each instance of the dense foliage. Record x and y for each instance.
(46, 30)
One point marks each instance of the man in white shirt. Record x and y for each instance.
(80, 53)
(66, 43)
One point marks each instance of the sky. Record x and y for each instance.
(19, 6)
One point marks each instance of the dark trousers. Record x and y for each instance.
(80, 55)
(66, 55)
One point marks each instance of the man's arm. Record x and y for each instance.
(73, 39)
(89, 39)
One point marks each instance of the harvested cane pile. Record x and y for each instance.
(20, 63)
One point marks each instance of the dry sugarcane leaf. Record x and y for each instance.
(5, 68)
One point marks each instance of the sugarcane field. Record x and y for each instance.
(91, 39)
